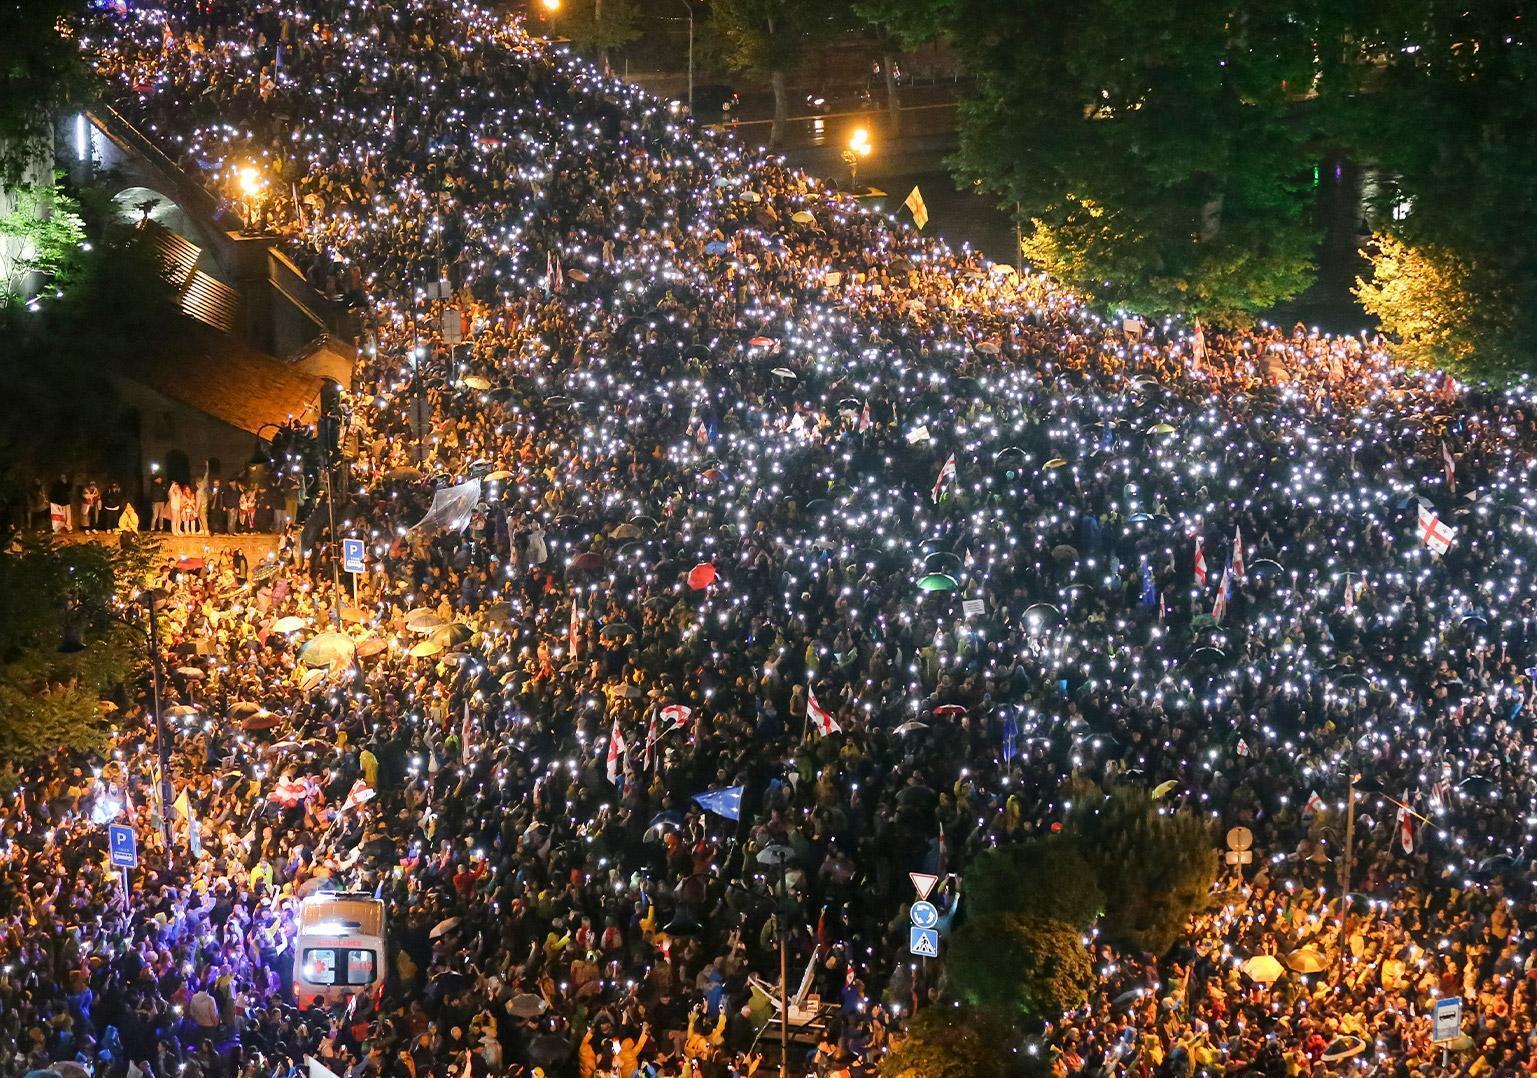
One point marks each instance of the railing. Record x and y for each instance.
(192, 195)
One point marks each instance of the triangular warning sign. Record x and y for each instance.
(923, 883)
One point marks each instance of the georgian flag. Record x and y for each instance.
(1451, 466)
(820, 718)
(946, 477)
(360, 794)
(291, 792)
(616, 748)
(1238, 555)
(675, 716)
(574, 631)
(648, 759)
(1224, 589)
(1313, 805)
(1405, 826)
(1435, 533)
(1200, 560)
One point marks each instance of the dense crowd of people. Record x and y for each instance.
(726, 482)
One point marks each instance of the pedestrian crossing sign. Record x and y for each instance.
(923, 942)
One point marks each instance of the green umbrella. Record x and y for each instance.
(937, 582)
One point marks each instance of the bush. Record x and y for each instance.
(950, 1041)
(1022, 964)
(1048, 877)
(1156, 867)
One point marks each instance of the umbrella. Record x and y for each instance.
(327, 649)
(909, 726)
(1343, 1047)
(426, 649)
(1263, 969)
(367, 649)
(1064, 552)
(587, 562)
(1264, 568)
(761, 342)
(106, 707)
(475, 381)
(527, 1005)
(262, 720)
(451, 635)
(750, 196)
(802, 217)
(1306, 960)
(1476, 784)
(188, 563)
(938, 582)
(625, 531)
(702, 576)
(501, 475)
(616, 630)
(443, 928)
(265, 571)
(716, 247)
(422, 620)
(315, 885)
(1163, 788)
(784, 373)
(1042, 613)
(291, 624)
(1053, 463)
(243, 709)
(191, 673)
(1161, 428)
(942, 561)
(949, 709)
(776, 855)
(181, 710)
(497, 613)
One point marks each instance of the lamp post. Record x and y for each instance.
(690, 8)
(551, 8)
(681, 925)
(73, 643)
(252, 184)
(859, 146)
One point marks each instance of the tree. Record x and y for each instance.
(769, 37)
(1446, 310)
(1046, 877)
(1155, 151)
(901, 24)
(52, 593)
(1020, 963)
(42, 236)
(1445, 112)
(1156, 866)
(44, 73)
(600, 26)
(951, 1041)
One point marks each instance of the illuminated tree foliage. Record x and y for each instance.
(1155, 866)
(960, 1042)
(42, 72)
(1447, 310)
(1448, 115)
(770, 37)
(1154, 152)
(50, 594)
(1020, 963)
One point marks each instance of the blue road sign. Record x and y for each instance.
(1446, 1023)
(924, 914)
(124, 846)
(923, 942)
(352, 555)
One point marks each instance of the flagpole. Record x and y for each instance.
(1348, 865)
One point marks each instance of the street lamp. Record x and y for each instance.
(551, 8)
(72, 643)
(686, 923)
(252, 185)
(690, 8)
(859, 146)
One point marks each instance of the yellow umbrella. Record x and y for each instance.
(1263, 969)
(1161, 428)
(426, 649)
(291, 624)
(475, 381)
(1163, 788)
(1306, 960)
(1054, 462)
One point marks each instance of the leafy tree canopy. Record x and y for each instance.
(1154, 151)
(44, 72)
(50, 593)
(954, 1041)
(1047, 877)
(1156, 866)
(1020, 963)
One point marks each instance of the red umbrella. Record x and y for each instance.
(762, 342)
(590, 562)
(949, 709)
(188, 563)
(702, 576)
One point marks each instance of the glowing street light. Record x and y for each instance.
(252, 185)
(859, 146)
